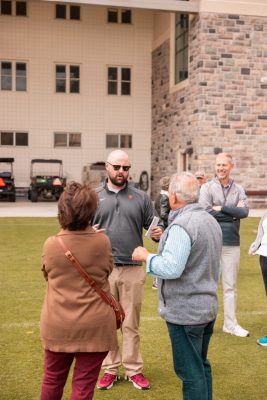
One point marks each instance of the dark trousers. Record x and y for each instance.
(190, 348)
(263, 264)
(85, 374)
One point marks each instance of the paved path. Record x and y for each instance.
(25, 208)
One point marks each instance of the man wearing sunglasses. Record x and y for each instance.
(123, 212)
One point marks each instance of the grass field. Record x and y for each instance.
(239, 364)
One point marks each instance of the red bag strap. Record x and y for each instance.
(82, 271)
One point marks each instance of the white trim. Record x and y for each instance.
(191, 6)
(239, 7)
(174, 87)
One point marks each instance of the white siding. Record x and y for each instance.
(42, 41)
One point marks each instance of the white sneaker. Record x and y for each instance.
(237, 331)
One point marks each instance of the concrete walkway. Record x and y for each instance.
(25, 208)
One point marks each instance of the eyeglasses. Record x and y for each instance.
(118, 167)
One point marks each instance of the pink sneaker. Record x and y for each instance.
(107, 381)
(139, 381)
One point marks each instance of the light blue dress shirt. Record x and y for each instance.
(171, 263)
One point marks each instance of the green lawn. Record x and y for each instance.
(239, 365)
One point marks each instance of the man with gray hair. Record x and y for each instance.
(227, 202)
(187, 265)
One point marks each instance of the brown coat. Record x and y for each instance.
(74, 318)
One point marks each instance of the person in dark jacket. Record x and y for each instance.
(163, 208)
(162, 204)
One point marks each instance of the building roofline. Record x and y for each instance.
(190, 6)
(238, 7)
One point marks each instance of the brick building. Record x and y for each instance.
(221, 104)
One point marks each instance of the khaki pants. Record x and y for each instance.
(230, 259)
(127, 285)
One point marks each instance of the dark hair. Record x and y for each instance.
(76, 206)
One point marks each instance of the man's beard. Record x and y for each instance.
(119, 183)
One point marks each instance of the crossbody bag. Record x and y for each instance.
(107, 297)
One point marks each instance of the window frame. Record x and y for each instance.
(172, 61)
(181, 37)
(120, 83)
(68, 135)
(68, 79)
(15, 138)
(119, 140)
(14, 77)
(120, 12)
(14, 8)
(6, 2)
(26, 8)
(69, 8)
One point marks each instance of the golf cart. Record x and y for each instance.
(7, 181)
(47, 181)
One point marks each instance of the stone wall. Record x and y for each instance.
(224, 105)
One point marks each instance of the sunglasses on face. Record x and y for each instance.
(118, 167)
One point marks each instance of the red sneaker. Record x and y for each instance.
(107, 381)
(139, 381)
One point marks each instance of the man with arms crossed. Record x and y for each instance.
(123, 212)
(187, 265)
(227, 202)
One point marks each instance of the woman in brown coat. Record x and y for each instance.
(75, 322)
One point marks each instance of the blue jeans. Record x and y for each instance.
(190, 348)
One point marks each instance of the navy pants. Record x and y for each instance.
(85, 374)
(190, 348)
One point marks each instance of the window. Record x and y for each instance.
(181, 47)
(18, 81)
(119, 16)
(6, 76)
(67, 139)
(75, 12)
(61, 11)
(125, 81)
(113, 15)
(74, 79)
(119, 81)
(14, 138)
(67, 78)
(119, 141)
(6, 7)
(64, 11)
(21, 77)
(126, 17)
(10, 7)
(21, 8)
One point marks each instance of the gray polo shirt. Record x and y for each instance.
(123, 215)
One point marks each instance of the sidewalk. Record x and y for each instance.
(25, 208)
